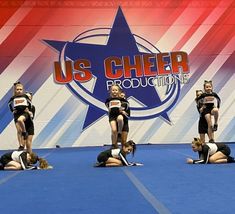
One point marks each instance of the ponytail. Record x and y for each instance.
(43, 164)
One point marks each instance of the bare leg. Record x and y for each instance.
(29, 143)
(215, 113)
(124, 137)
(113, 162)
(20, 121)
(225, 160)
(120, 123)
(21, 141)
(218, 157)
(209, 123)
(202, 138)
(113, 125)
(13, 165)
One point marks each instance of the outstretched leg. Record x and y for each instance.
(113, 125)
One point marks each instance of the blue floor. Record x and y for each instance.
(164, 185)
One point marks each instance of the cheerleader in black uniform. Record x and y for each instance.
(117, 157)
(21, 160)
(116, 118)
(202, 123)
(211, 104)
(125, 111)
(18, 104)
(210, 153)
(29, 125)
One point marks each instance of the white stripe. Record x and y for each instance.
(12, 23)
(205, 27)
(157, 205)
(178, 29)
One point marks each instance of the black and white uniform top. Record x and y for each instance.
(18, 156)
(209, 100)
(19, 103)
(114, 106)
(115, 153)
(209, 149)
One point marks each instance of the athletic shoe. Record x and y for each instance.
(114, 146)
(230, 159)
(215, 127)
(211, 141)
(21, 148)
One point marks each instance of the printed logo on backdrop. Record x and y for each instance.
(100, 57)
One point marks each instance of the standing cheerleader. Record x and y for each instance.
(211, 104)
(116, 118)
(18, 104)
(125, 111)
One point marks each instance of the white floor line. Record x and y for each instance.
(157, 205)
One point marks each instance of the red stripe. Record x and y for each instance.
(22, 34)
(6, 11)
(217, 37)
(193, 29)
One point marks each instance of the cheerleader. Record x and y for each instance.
(18, 104)
(202, 123)
(125, 111)
(29, 124)
(211, 104)
(21, 160)
(210, 153)
(116, 118)
(117, 157)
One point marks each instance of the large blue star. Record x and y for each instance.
(121, 42)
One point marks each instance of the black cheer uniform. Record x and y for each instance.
(115, 153)
(29, 125)
(114, 106)
(125, 107)
(18, 104)
(18, 156)
(209, 149)
(210, 101)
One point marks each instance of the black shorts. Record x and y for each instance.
(207, 110)
(125, 127)
(17, 115)
(225, 150)
(103, 157)
(29, 126)
(5, 159)
(202, 125)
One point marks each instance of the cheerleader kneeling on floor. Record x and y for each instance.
(117, 157)
(21, 160)
(210, 153)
